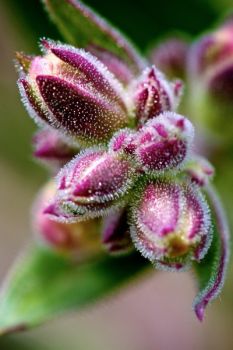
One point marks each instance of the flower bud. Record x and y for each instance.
(79, 239)
(171, 223)
(72, 91)
(170, 57)
(51, 148)
(199, 170)
(90, 185)
(154, 95)
(115, 236)
(211, 82)
(164, 142)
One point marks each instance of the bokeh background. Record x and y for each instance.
(155, 313)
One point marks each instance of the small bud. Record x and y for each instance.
(171, 223)
(116, 237)
(52, 149)
(154, 95)
(72, 91)
(79, 239)
(170, 57)
(211, 82)
(199, 170)
(164, 142)
(115, 65)
(90, 185)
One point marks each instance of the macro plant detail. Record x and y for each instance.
(127, 189)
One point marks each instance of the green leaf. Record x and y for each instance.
(81, 27)
(211, 271)
(44, 285)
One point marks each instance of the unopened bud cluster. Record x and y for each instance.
(128, 172)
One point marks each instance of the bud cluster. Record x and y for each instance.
(126, 159)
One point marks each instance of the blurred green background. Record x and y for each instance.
(156, 313)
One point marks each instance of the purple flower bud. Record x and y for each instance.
(170, 57)
(199, 170)
(154, 95)
(90, 185)
(114, 64)
(52, 149)
(116, 236)
(171, 223)
(164, 142)
(79, 239)
(211, 82)
(72, 91)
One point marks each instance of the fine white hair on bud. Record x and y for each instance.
(171, 223)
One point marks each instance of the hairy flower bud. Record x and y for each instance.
(171, 223)
(154, 95)
(52, 149)
(72, 91)
(91, 184)
(79, 239)
(115, 232)
(211, 82)
(170, 57)
(164, 142)
(199, 170)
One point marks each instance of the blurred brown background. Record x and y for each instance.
(155, 313)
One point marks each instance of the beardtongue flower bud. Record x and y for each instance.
(52, 149)
(115, 233)
(164, 142)
(78, 240)
(91, 185)
(154, 95)
(171, 224)
(211, 81)
(199, 170)
(170, 56)
(75, 93)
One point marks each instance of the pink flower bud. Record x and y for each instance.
(52, 149)
(154, 95)
(164, 142)
(116, 236)
(170, 57)
(199, 170)
(72, 91)
(171, 223)
(211, 82)
(79, 239)
(91, 184)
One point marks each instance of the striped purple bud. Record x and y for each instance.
(164, 142)
(75, 93)
(78, 239)
(52, 149)
(170, 56)
(90, 185)
(199, 170)
(154, 95)
(171, 224)
(115, 232)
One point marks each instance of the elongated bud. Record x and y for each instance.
(75, 93)
(115, 235)
(199, 170)
(171, 223)
(164, 142)
(170, 56)
(154, 95)
(79, 239)
(51, 148)
(90, 185)
(114, 64)
(211, 82)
